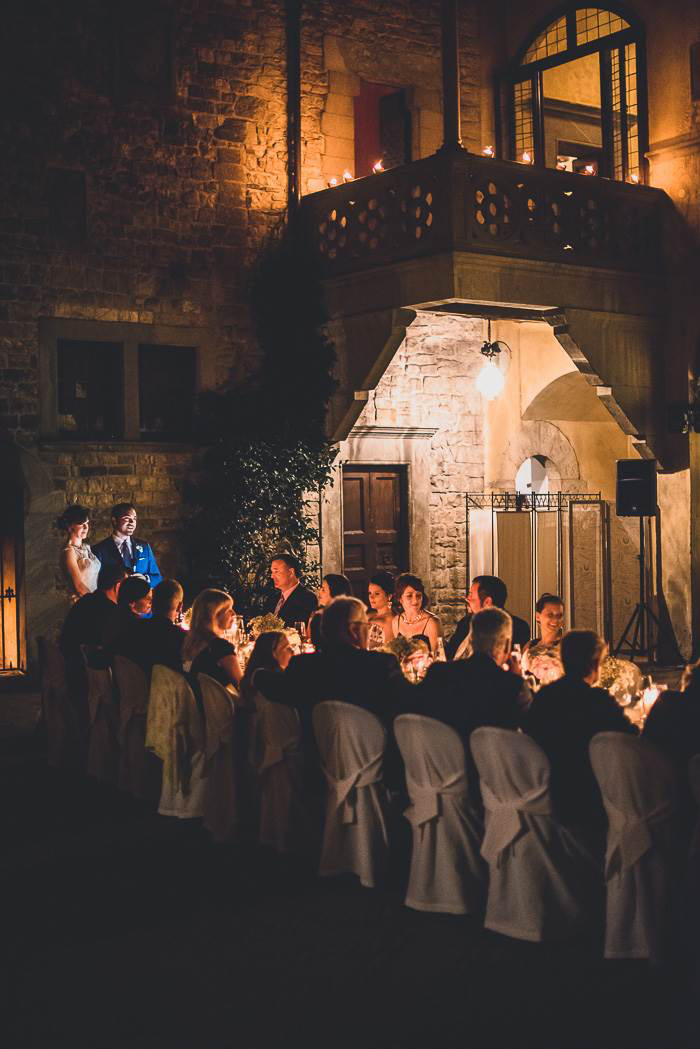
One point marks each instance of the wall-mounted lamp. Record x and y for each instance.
(491, 380)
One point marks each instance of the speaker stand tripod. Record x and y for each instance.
(641, 620)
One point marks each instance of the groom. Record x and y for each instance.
(123, 548)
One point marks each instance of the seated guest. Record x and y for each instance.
(486, 591)
(157, 639)
(133, 604)
(414, 619)
(673, 725)
(273, 652)
(343, 670)
(541, 654)
(205, 649)
(333, 585)
(469, 693)
(564, 717)
(295, 603)
(91, 622)
(380, 593)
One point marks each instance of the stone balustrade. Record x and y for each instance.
(466, 203)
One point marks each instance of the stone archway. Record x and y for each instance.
(539, 439)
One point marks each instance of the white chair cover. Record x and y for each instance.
(220, 796)
(175, 734)
(283, 818)
(447, 872)
(136, 767)
(60, 716)
(538, 871)
(640, 796)
(103, 747)
(351, 745)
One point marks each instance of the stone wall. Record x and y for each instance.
(430, 383)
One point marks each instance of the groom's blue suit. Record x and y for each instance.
(142, 561)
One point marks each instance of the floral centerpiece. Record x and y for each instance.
(543, 664)
(622, 679)
(413, 655)
(264, 624)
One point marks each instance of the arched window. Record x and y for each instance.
(576, 95)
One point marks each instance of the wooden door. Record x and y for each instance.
(375, 531)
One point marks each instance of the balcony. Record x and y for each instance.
(458, 202)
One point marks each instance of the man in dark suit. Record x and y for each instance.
(122, 547)
(486, 591)
(295, 603)
(469, 693)
(563, 718)
(92, 621)
(147, 641)
(343, 671)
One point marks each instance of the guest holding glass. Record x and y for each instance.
(380, 594)
(414, 619)
(205, 649)
(541, 656)
(79, 564)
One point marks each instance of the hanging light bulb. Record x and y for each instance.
(490, 380)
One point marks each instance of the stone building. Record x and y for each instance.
(147, 155)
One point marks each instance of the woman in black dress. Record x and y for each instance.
(205, 649)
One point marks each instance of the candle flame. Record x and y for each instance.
(347, 176)
(634, 178)
(332, 182)
(488, 151)
(589, 169)
(526, 157)
(377, 167)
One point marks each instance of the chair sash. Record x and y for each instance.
(629, 836)
(505, 817)
(425, 805)
(345, 790)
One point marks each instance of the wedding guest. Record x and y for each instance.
(273, 652)
(156, 639)
(122, 547)
(673, 725)
(485, 689)
(79, 564)
(92, 622)
(134, 602)
(563, 718)
(205, 649)
(414, 619)
(343, 670)
(295, 603)
(541, 656)
(380, 593)
(486, 591)
(333, 585)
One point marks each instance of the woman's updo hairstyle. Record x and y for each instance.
(74, 514)
(547, 599)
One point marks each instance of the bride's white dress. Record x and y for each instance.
(88, 565)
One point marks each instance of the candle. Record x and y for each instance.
(347, 176)
(332, 182)
(376, 168)
(488, 151)
(526, 157)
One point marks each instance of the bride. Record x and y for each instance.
(78, 563)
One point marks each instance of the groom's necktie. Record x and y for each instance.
(125, 552)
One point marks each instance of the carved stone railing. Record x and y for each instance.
(461, 202)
